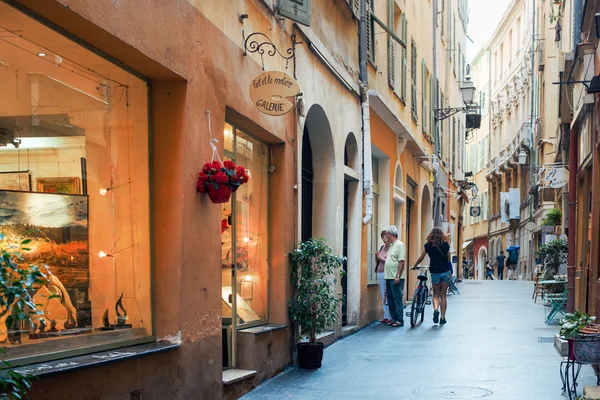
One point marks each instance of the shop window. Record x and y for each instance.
(74, 179)
(244, 234)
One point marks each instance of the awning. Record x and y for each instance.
(467, 244)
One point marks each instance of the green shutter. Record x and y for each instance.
(413, 83)
(431, 113)
(424, 95)
(391, 46)
(404, 58)
(369, 31)
(355, 8)
(296, 10)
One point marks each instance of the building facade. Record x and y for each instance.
(113, 111)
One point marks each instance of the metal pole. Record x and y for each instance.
(531, 123)
(436, 141)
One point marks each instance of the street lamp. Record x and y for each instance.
(468, 94)
(468, 91)
(522, 157)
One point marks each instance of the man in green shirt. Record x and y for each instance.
(395, 274)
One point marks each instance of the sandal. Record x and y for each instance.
(396, 325)
(384, 320)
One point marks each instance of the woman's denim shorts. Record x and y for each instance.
(442, 277)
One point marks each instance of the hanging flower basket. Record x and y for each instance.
(219, 180)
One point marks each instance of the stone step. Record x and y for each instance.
(591, 392)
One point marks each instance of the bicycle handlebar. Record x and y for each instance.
(419, 267)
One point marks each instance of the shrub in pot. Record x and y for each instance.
(553, 254)
(315, 304)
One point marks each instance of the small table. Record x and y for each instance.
(545, 284)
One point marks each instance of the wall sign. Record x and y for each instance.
(269, 91)
(475, 211)
(558, 177)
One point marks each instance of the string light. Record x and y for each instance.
(103, 191)
(102, 254)
(41, 54)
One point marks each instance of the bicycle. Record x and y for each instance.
(420, 297)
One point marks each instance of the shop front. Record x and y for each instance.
(102, 138)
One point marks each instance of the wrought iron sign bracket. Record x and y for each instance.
(258, 42)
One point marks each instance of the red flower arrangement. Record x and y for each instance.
(220, 180)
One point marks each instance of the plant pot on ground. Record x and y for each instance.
(315, 303)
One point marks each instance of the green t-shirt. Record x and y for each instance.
(396, 253)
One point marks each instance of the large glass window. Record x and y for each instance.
(374, 226)
(74, 178)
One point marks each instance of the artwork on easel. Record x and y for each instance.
(57, 225)
(15, 180)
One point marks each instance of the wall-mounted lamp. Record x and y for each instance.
(103, 191)
(522, 157)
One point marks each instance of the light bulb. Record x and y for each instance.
(101, 254)
(103, 191)
(41, 54)
(248, 278)
(246, 239)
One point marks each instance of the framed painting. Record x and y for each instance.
(70, 185)
(15, 180)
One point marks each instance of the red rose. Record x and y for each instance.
(216, 165)
(234, 178)
(202, 177)
(229, 164)
(221, 177)
(200, 188)
(240, 170)
(206, 168)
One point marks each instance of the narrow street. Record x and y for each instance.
(495, 345)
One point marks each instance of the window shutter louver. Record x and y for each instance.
(424, 95)
(404, 58)
(431, 113)
(391, 47)
(369, 30)
(356, 8)
(454, 146)
(296, 10)
(413, 84)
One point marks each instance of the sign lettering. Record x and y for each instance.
(269, 92)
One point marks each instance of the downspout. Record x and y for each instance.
(572, 220)
(436, 140)
(489, 143)
(366, 119)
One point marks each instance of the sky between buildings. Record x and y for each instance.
(484, 17)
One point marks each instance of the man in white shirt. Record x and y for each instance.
(395, 275)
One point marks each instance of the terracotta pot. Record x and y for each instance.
(310, 355)
(220, 195)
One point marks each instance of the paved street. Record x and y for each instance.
(495, 345)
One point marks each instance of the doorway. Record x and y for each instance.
(345, 253)
(307, 188)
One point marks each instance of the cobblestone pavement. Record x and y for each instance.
(495, 346)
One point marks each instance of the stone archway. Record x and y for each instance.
(481, 259)
(318, 178)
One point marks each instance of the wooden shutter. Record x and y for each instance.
(355, 7)
(431, 113)
(424, 95)
(458, 61)
(404, 58)
(413, 83)
(369, 30)
(391, 46)
(296, 10)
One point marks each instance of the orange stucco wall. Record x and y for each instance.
(192, 67)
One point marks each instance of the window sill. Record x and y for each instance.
(257, 330)
(94, 359)
(231, 376)
(372, 283)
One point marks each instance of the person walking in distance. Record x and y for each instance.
(513, 260)
(380, 257)
(395, 275)
(500, 263)
(438, 250)
(489, 272)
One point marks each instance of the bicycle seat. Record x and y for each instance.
(422, 277)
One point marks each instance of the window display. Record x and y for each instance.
(74, 180)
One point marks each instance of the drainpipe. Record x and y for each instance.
(577, 30)
(366, 119)
(572, 220)
(436, 141)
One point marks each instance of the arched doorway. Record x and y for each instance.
(351, 229)
(481, 259)
(426, 217)
(318, 189)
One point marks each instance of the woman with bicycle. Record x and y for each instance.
(380, 257)
(438, 250)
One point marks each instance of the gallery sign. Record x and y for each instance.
(558, 177)
(269, 92)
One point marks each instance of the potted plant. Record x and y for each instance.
(315, 304)
(582, 335)
(18, 281)
(552, 254)
(219, 180)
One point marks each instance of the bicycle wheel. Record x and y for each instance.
(423, 301)
(415, 308)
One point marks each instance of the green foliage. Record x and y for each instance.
(553, 218)
(573, 323)
(18, 281)
(314, 305)
(552, 255)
